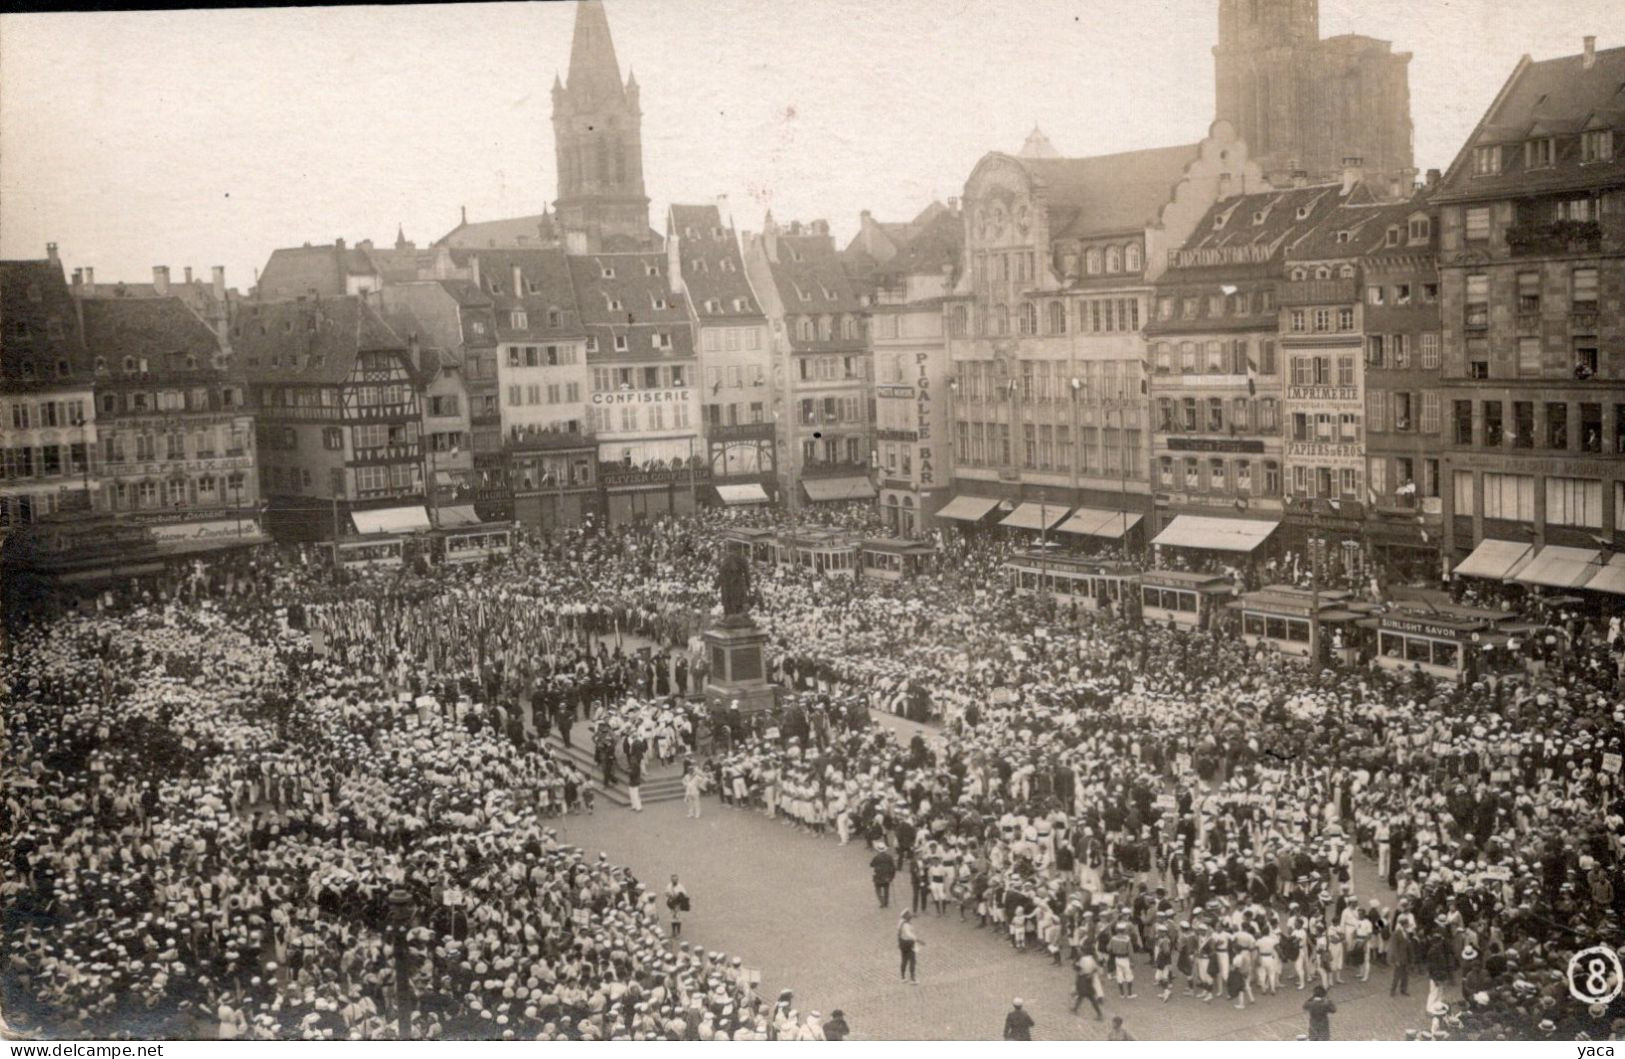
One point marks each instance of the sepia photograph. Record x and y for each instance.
(737, 520)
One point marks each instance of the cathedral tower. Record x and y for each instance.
(1305, 103)
(598, 140)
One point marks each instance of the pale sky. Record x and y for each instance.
(211, 137)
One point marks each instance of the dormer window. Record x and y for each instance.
(1540, 154)
(726, 264)
(700, 265)
(714, 306)
(1218, 222)
(1346, 272)
(1597, 145)
(716, 233)
(651, 269)
(101, 365)
(1487, 160)
(554, 318)
(1299, 275)
(662, 340)
(1344, 236)
(620, 344)
(795, 255)
(805, 296)
(1258, 217)
(62, 369)
(741, 305)
(607, 271)
(1393, 236)
(616, 304)
(532, 286)
(1421, 229)
(1303, 213)
(658, 302)
(518, 320)
(1323, 272)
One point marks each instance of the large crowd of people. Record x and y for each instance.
(259, 803)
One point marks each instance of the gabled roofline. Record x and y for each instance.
(1524, 64)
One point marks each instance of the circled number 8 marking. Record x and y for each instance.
(1595, 975)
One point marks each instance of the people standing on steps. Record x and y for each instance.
(634, 780)
(907, 942)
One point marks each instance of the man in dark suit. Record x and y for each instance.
(884, 867)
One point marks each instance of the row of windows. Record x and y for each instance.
(832, 369)
(1191, 306)
(734, 376)
(660, 341)
(381, 479)
(1215, 357)
(648, 377)
(1051, 380)
(175, 492)
(1548, 423)
(1218, 474)
(1190, 415)
(27, 414)
(825, 328)
(1569, 501)
(1048, 447)
(1321, 321)
(1543, 152)
(816, 411)
(145, 447)
(42, 461)
(532, 394)
(717, 339)
(1324, 370)
(1476, 304)
(831, 450)
(1405, 486)
(730, 415)
(629, 418)
(1394, 351)
(1327, 483)
(541, 356)
(1410, 412)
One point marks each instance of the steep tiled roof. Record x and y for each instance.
(510, 233)
(1559, 98)
(1109, 193)
(1272, 221)
(713, 270)
(314, 340)
(636, 282)
(39, 327)
(116, 327)
(1362, 230)
(294, 272)
(545, 288)
(808, 265)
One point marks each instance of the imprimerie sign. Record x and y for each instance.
(642, 397)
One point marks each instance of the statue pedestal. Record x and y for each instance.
(738, 668)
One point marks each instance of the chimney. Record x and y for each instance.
(953, 205)
(160, 280)
(518, 281)
(50, 253)
(218, 280)
(90, 282)
(725, 212)
(1299, 178)
(1434, 176)
(820, 227)
(1353, 171)
(78, 278)
(465, 214)
(1590, 59)
(188, 275)
(338, 244)
(474, 271)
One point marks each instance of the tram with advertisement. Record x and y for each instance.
(476, 543)
(1183, 597)
(894, 559)
(362, 552)
(1090, 584)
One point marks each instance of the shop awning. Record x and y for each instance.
(967, 508)
(1035, 516)
(1215, 534)
(390, 520)
(458, 516)
(748, 493)
(1610, 578)
(1494, 559)
(855, 488)
(1094, 522)
(444, 478)
(1556, 566)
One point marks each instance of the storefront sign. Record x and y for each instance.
(643, 397)
(928, 474)
(1346, 394)
(1422, 628)
(189, 532)
(1322, 448)
(1216, 445)
(922, 400)
(904, 392)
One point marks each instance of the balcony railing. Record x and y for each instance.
(740, 431)
(1320, 292)
(1555, 237)
(1583, 321)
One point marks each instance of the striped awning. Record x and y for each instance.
(1035, 516)
(856, 488)
(1556, 566)
(742, 493)
(390, 520)
(1610, 578)
(1215, 534)
(1095, 522)
(1493, 559)
(967, 508)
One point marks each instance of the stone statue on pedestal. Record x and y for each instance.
(733, 581)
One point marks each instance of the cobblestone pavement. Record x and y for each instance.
(802, 909)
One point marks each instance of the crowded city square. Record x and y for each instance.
(258, 799)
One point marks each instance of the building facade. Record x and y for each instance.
(1303, 103)
(48, 429)
(1532, 271)
(175, 436)
(338, 406)
(1045, 325)
(822, 367)
(906, 270)
(735, 358)
(1218, 374)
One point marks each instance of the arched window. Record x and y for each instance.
(1114, 259)
(129, 365)
(1091, 261)
(806, 329)
(1131, 258)
(1029, 318)
(1057, 318)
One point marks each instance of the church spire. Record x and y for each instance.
(594, 71)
